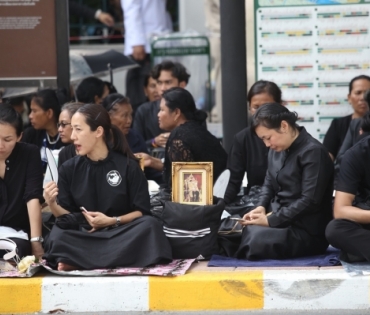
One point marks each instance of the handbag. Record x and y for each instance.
(192, 229)
(231, 227)
(244, 204)
(72, 221)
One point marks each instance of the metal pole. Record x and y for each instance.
(234, 69)
(62, 39)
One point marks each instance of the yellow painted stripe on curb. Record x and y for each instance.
(207, 291)
(20, 295)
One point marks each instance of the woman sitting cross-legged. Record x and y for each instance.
(295, 203)
(106, 180)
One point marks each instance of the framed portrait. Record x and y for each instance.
(192, 183)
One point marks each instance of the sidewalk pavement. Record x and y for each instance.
(202, 288)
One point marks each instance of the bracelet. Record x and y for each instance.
(154, 144)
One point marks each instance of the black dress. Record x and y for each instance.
(22, 182)
(114, 186)
(192, 142)
(298, 191)
(354, 178)
(66, 154)
(248, 154)
(336, 134)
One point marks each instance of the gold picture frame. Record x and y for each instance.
(192, 183)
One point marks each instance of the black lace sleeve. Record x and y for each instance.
(179, 151)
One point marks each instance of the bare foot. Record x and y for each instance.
(65, 267)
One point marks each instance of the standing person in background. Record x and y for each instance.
(84, 11)
(142, 20)
(212, 15)
(92, 90)
(339, 126)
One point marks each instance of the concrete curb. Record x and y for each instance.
(202, 288)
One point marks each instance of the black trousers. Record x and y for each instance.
(350, 237)
(260, 242)
(23, 248)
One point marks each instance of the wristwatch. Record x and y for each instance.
(37, 239)
(118, 222)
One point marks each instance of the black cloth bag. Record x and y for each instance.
(192, 229)
(244, 204)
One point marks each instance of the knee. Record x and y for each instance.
(333, 230)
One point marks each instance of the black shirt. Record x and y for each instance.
(22, 182)
(336, 134)
(354, 175)
(192, 142)
(114, 186)
(66, 153)
(146, 121)
(248, 154)
(298, 187)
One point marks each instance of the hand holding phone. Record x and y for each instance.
(83, 209)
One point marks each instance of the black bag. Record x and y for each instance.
(72, 221)
(192, 229)
(157, 202)
(230, 235)
(244, 204)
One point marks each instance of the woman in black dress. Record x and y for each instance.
(189, 141)
(65, 131)
(339, 126)
(20, 185)
(248, 154)
(295, 204)
(45, 110)
(107, 181)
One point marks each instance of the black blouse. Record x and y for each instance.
(66, 153)
(192, 142)
(354, 175)
(336, 134)
(298, 187)
(248, 154)
(114, 186)
(22, 182)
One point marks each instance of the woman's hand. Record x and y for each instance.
(145, 157)
(37, 250)
(161, 140)
(98, 220)
(50, 193)
(256, 217)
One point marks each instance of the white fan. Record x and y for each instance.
(52, 165)
(219, 188)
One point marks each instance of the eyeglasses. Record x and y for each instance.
(62, 124)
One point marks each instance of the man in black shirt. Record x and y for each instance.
(168, 74)
(350, 231)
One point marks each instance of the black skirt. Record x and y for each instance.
(140, 243)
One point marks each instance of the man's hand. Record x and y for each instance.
(138, 52)
(161, 140)
(106, 19)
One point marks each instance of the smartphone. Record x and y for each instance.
(83, 209)
(237, 219)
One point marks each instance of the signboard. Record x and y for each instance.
(312, 49)
(29, 42)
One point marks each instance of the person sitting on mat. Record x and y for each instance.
(295, 203)
(106, 180)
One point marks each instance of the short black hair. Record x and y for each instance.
(359, 77)
(271, 115)
(267, 87)
(88, 89)
(177, 69)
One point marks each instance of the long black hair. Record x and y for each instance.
(359, 77)
(95, 116)
(182, 99)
